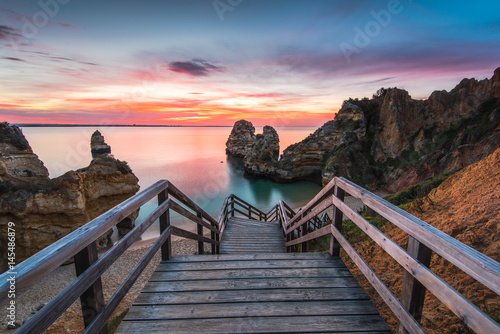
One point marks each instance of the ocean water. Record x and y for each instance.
(192, 158)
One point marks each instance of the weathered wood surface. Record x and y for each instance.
(252, 236)
(474, 263)
(259, 293)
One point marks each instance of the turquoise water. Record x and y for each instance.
(192, 158)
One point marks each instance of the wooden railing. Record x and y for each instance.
(423, 240)
(81, 245)
(232, 205)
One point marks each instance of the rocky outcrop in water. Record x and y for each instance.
(241, 139)
(393, 141)
(98, 146)
(264, 153)
(43, 209)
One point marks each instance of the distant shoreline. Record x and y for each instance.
(34, 125)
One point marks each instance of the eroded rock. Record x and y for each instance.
(43, 209)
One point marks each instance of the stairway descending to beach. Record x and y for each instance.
(258, 277)
(253, 286)
(252, 236)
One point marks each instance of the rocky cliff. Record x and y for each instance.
(392, 141)
(43, 209)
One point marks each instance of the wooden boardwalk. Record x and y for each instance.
(262, 291)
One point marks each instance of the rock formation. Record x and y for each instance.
(98, 147)
(393, 141)
(264, 153)
(241, 139)
(43, 209)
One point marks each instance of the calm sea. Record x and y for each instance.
(192, 158)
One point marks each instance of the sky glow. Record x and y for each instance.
(205, 62)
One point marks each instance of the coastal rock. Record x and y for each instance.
(98, 146)
(305, 160)
(264, 153)
(16, 156)
(43, 209)
(392, 141)
(241, 139)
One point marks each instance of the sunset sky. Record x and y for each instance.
(206, 62)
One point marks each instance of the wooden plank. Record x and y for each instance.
(337, 221)
(190, 235)
(247, 264)
(392, 302)
(321, 196)
(463, 308)
(413, 292)
(250, 273)
(106, 312)
(176, 193)
(51, 257)
(249, 205)
(91, 300)
(251, 257)
(310, 236)
(474, 263)
(55, 307)
(164, 220)
(231, 310)
(317, 210)
(180, 210)
(351, 324)
(251, 283)
(250, 296)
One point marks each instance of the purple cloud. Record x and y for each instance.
(195, 67)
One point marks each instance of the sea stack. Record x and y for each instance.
(241, 139)
(98, 147)
(264, 154)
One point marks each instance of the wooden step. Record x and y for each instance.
(250, 292)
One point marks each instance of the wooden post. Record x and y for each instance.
(232, 207)
(337, 221)
(92, 300)
(213, 237)
(217, 248)
(166, 248)
(413, 292)
(200, 233)
(250, 212)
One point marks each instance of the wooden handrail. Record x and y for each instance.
(42, 263)
(472, 262)
(83, 239)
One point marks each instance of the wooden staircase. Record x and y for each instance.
(252, 236)
(263, 291)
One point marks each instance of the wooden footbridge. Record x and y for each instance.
(258, 277)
